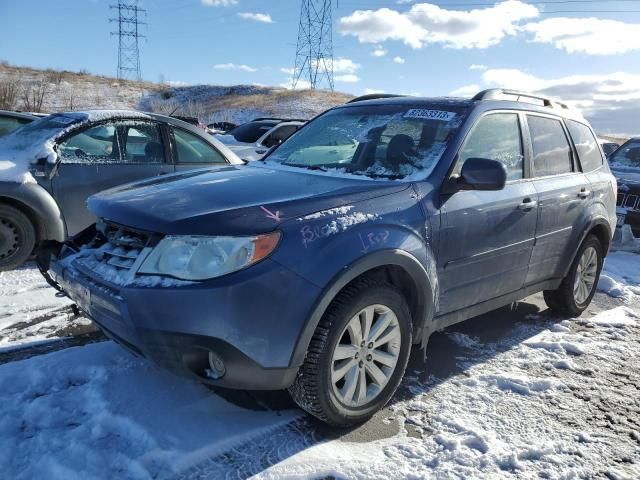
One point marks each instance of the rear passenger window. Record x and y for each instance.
(551, 151)
(191, 149)
(496, 137)
(143, 144)
(586, 145)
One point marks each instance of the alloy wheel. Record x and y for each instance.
(585, 275)
(366, 355)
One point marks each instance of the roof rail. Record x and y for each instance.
(374, 96)
(496, 93)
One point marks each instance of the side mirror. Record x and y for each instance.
(482, 174)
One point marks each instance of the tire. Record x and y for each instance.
(569, 299)
(17, 237)
(313, 389)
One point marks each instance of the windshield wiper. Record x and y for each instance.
(308, 167)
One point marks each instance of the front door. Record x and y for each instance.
(487, 236)
(104, 156)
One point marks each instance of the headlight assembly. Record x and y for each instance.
(202, 258)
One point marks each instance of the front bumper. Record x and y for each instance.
(251, 319)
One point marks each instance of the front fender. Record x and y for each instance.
(422, 274)
(40, 203)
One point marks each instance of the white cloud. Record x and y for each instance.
(593, 36)
(475, 66)
(425, 23)
(345, 65)
(369, 91)
(611, 102)
(466, 91)
(176, 83)
(399, 60)
(378, 51)
(300, 85)
(288, 71)
(256, 17)
(347, 78)
(233, 66)
(219, 3)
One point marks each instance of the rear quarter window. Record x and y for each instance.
(586, 146)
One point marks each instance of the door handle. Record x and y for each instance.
(584, 193)
(528, 204)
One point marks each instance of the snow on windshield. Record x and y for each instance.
(35, 141)
(376, 141)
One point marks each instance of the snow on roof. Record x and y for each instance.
(35, 141)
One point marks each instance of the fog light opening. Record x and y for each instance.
(216, 368)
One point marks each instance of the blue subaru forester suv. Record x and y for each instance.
(376, 224)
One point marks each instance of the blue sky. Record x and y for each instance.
(572, 47)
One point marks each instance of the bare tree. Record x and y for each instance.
(54, 76)
(70, 100)
(192, 109)
(8, 93)
(33, 96)
(165, 107)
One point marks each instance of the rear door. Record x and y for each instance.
(487, 236)
(563, 193)
(103, 156)
(191, 151)
(593, 165)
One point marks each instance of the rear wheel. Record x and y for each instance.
(17, 237)
(357, 356)
(579, 286)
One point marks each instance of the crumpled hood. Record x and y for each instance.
(233, 200)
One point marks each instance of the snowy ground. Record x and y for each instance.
(517, 393)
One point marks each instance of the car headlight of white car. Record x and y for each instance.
(202, 258)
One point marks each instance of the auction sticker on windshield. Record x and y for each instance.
(429, 114)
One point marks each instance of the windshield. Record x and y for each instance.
(395, 141)
(47, 127)
(627, 155)
(251, 132)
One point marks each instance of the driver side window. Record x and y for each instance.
(496, 137)
(96, 144)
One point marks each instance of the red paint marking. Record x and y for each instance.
(270, 214)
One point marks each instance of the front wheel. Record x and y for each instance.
(579, 286)
(357, 355)
(17, 237)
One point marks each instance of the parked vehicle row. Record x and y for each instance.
(58, 161)
(374, 225)
(625, 165)
(251, 140)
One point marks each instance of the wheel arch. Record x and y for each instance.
(38, 205)
(600, 227)
(397, 267)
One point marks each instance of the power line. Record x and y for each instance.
(314, 49)
(128, 34)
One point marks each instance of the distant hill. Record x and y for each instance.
(48, 90)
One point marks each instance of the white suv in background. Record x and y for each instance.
(251, 140)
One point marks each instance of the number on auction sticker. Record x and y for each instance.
(429, 114)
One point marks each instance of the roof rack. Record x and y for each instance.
(374, 96)
(260, 119)
(496, 93)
